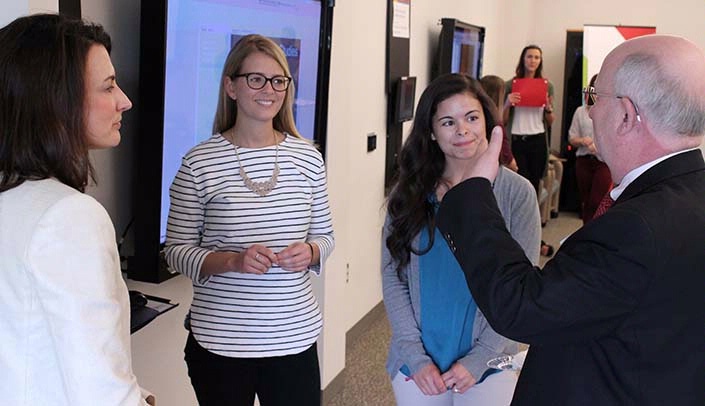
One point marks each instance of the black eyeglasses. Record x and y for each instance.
(590, 91)
(257, 81)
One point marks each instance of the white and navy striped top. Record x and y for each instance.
(240, 314)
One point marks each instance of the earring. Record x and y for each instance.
(433, 137)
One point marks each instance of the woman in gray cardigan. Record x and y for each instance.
(441, 342)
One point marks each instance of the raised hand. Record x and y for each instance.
(512, 99)
(487, 163)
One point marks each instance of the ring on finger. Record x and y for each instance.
(455, 389)
(257, 257)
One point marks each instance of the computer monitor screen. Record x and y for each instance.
(460, 48)
(405, 97)
(200, 33)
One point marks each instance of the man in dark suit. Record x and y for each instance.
(617, 317)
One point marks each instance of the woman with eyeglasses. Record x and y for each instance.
(592, 174)
(528, 125)
(249, 219)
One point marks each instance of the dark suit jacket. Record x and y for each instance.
(617, 317)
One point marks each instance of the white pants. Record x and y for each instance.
(496, 390)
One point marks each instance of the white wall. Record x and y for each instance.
(425, 29)
(41, 6)
(355, 178)
(12, 9)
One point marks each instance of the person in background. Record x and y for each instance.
(441, 343)
(592, 174)
(494, 87)
(529, 126)
(615, 317)
(65, 325)
(249, 218)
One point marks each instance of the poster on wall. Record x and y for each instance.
(401, 19)
(599, 40)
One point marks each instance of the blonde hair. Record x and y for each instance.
(226, 113)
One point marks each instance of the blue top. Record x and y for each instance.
(448, 307)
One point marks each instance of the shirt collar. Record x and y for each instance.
(638, 171)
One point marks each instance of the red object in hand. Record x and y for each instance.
(533, 92)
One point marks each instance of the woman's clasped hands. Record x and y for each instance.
(257, 259)
(431, 382)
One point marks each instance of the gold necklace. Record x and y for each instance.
(260, 188)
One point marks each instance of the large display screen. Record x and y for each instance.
(199, 35)
(183, 46)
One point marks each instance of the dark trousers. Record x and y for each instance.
(594, 181)
(531, 154)
(277, 381)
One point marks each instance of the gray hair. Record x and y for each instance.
(670, 106)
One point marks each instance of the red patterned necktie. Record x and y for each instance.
(604, 205)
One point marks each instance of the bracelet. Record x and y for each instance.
(548, 111)
(310, 246)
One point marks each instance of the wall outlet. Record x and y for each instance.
(371, 142)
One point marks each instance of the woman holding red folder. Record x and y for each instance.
(528, 124)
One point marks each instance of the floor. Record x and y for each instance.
(366, 380)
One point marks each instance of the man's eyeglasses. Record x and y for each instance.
(257, 81)
(590, 92)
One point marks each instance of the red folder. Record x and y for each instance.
(533, 91)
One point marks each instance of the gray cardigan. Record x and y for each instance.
(517, 202)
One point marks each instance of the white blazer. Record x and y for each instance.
(64, 308)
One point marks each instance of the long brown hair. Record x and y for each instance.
(42, 70)
(494, 87)
(421, 165)
(226, 112)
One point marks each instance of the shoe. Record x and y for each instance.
(546, 249)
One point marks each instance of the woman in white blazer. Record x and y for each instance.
(64, 325)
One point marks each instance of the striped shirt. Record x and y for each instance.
(240, 314)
